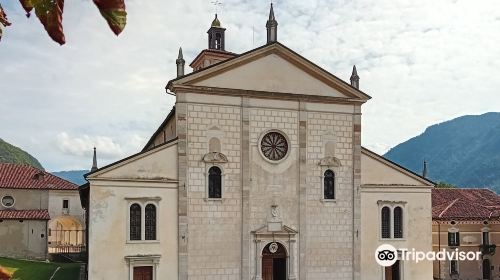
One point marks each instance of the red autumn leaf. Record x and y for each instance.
(3, 17)
(3, 21)
(49, 12)
(4, 273)
(114, 13)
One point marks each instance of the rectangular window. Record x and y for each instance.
(65, 204)
(453, 267)
(486, 238)
(453, 239)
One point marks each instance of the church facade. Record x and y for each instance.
(257, 173)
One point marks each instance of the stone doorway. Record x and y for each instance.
(274, 262)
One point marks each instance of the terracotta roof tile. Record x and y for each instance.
(21, 176)
(465, 204)
(37, 214)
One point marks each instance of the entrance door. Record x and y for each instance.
(143, 273)
(274, 264)
(393, 272)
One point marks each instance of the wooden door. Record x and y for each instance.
(388, 273)
(393, 272)
(267, 269)
(143, 273)
(279, 269)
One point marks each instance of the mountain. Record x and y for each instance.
(464, 151)
(74, 176)
(13, 154)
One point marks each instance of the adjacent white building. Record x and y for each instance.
(257, 173)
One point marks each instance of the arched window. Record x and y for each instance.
(398, 222)
(135, 222)
(214, 182)
(329, 184)
(386, 222)
(150, 222)
(218, 39)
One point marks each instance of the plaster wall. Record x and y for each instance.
(26, 198)
(108, 227)
(26, 239)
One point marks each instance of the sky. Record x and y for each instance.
(423, 62)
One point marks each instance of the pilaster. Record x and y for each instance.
(181, 114)
(302, 191)
(356, 238)
(245, 187)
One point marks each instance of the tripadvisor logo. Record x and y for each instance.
(387, 255)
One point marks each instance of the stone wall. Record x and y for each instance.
(214, 225)
(220, 243)
(329, 223)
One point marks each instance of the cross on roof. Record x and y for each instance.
(216, 3)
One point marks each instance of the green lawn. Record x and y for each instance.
(34, 270)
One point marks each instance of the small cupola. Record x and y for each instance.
(216, 51)
(216, 35)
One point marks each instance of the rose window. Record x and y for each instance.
(274, 146)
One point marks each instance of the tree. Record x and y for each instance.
(444, 185)
(50, 14)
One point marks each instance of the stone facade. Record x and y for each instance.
(214, 224)
(222, 113)
(223, 232)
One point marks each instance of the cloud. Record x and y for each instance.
(83, 146)
(422, 62)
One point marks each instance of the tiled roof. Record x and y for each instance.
(21, 176)
(465, 204)
(38, 214)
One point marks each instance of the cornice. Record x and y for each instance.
(265, 95)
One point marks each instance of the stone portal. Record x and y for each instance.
(274, 262)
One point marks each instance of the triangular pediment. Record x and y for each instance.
(157, 164)
(273, 69)
(264, 230)
(379, 171)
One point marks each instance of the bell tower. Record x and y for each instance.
(216, 51)
(216, 35)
